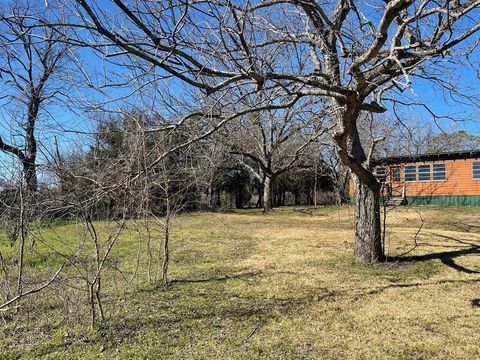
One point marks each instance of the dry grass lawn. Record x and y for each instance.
(282, 286)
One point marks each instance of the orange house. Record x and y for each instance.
(441, 179)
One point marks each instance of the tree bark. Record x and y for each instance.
(30, 174)
(260, 196)
(368, 243)
(267, 190)
(29, 163)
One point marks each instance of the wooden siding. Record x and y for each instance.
(459, 180)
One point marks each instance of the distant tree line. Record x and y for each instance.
(208, 175)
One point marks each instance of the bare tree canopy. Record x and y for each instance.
(275, 141)
(32, 57)
(356, 54)
(118, 115)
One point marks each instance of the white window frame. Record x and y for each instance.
(415, 173)
(429, 172)
(445, 171)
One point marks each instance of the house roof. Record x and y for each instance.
(455, 155)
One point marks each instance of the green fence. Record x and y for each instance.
(456, 200)
(453, 200)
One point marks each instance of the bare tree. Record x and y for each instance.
(273, 142)
(327, 165)
(213, 158)
(32, 57)
(358, 55)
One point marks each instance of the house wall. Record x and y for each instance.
(459, 188)
(459, 180)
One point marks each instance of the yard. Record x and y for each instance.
(281, 286)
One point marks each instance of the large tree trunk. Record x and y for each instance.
(29, 163)
(260, 196)
(30, 174)
(239, 197)
(368, 241)
(267, 190)
(342, 183)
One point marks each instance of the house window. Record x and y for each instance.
(439, 172)
(410, 173)
(424, 172)
(396, 174)
(381, 173)
(476, 170)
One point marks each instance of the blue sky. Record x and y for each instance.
(422, 91)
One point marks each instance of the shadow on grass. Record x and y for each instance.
(304, 211)
(240, 276)
(206, 310)
(464, 226)
(381, 289)
(446, 257)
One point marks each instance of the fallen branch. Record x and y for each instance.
(251, 333)
(32, 291)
